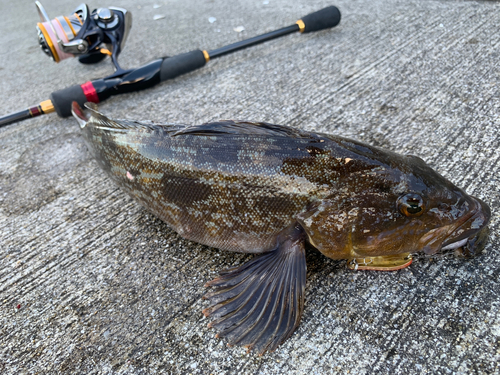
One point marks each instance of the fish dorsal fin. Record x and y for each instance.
(242, 127)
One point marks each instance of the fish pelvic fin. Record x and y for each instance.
(259, 304)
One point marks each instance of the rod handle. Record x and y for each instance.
(177, 65)
(137, 79)
(322, 19)
(63, 98)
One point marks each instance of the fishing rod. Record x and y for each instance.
(91, 36)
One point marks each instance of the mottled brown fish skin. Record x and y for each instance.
(223, 191)
(237, 185)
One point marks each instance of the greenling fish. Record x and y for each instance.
(268, 189)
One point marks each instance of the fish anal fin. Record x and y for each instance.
(259, 305)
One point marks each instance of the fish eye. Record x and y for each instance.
(411, 205)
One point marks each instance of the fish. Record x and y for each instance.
(269, 190)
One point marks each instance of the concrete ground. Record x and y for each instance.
(91, 283)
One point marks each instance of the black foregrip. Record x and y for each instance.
(184, 63)
(62, 99)
(322, 19)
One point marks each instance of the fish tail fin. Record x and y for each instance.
(96, 118)
(260, 304)
(79, 114)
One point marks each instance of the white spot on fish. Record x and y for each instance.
(129, 176)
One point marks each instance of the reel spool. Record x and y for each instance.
(90, 36)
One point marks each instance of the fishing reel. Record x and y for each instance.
(90, 36)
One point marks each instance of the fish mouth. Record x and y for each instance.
(470, 234)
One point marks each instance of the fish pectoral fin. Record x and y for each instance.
(259, 304)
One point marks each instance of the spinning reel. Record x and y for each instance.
(89, 36)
